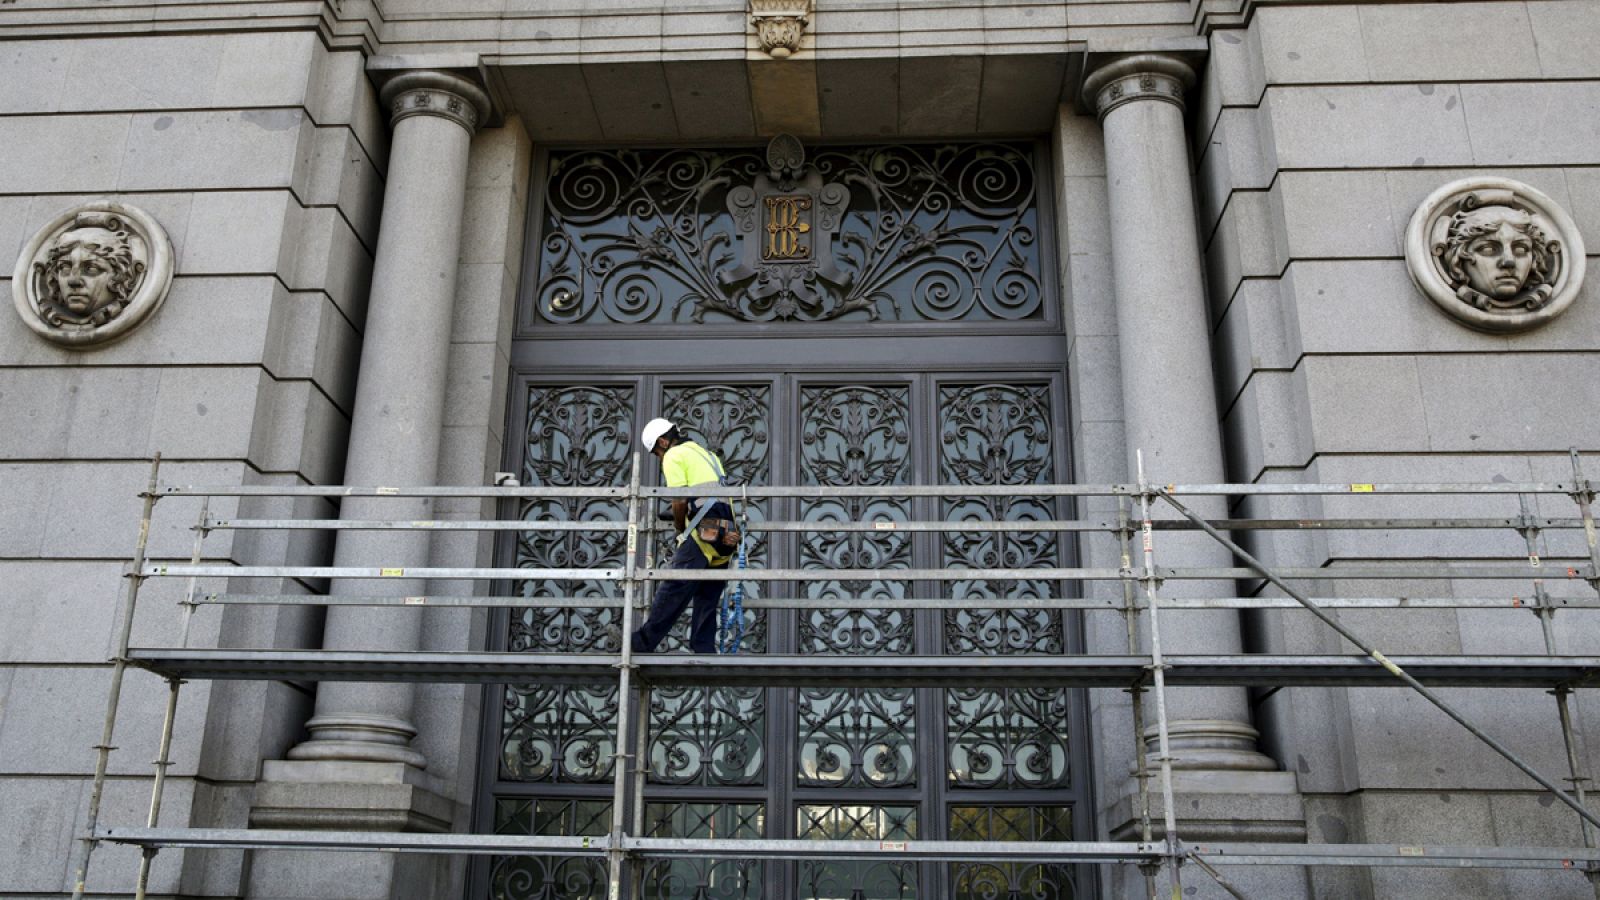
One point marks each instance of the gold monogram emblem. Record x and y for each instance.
(785, 226)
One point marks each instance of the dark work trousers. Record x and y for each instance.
(673, 596)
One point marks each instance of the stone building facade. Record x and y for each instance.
(361, 199)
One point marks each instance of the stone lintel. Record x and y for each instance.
(354, 796)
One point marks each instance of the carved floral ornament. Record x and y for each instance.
(779, 24)
(1496, 254)
(92, 274)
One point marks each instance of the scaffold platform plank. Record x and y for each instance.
(763, 670)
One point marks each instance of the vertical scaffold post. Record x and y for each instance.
(619, 766)
(1158, 673)
(85, 846)
(641, 751)
(164, 757)
(1584, 496)
(1130, 619)
(202, 530)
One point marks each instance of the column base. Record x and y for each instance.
(359, 738)
(1218, 805)
(345, 795)
(1208, 745)
(1215, 806)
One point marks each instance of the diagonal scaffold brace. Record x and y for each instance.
(1378, 657)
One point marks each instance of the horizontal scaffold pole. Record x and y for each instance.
(851, 602)
(755, 492)
(1402, 572)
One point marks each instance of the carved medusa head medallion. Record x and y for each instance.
(93, 274)
(1495, 254)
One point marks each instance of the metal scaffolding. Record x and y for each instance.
(1146, 674)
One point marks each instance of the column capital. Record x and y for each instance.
(428, 92)
(1138, 76)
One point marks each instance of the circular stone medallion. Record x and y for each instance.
(1494, 253)
(92, 274)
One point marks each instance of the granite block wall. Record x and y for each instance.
(1318, 130)
(262, 156)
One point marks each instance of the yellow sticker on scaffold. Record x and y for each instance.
(1360, 488)
(392, 573)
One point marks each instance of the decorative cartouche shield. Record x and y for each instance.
(92, 274)
(1495, 254)
(787, 222)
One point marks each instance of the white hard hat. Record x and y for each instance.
(653, 430)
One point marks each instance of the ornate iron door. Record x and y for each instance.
(871, 763)
(820, 400)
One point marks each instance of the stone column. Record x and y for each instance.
(1169, 395)
(399, 406)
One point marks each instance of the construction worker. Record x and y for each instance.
(706, 540)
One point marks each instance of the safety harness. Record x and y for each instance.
(731, 614)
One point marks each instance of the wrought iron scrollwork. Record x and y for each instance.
(576, 436)
(715, 736)
(901, 233)
(855, 435)
(554, 733)
(1015, 738)
(857, 737)
(998, 434)
(707, 735)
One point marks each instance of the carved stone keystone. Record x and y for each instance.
(92, 274)
(779, 24)
(1495, 254)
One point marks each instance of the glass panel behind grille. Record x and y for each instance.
(549, 877)
(704, 878)
(855, 880)
(988, 880)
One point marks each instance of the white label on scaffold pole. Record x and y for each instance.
(896, 846)
(415, 601)
(885, 526)
(386, 491)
